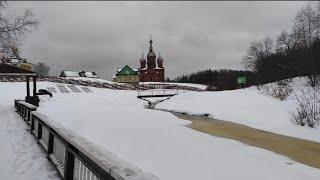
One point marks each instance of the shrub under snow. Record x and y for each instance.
(280, 90)
(308, 109)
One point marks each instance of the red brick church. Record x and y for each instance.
(151, 70)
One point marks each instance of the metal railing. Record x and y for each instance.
(69, 159)
(158, 92)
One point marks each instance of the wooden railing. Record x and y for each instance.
(25, 109)
(74, 157)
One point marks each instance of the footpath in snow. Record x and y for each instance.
(21, 158)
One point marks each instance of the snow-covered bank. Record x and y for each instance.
(248, 106)
(158, 142)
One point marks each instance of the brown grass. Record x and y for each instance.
(303, 151)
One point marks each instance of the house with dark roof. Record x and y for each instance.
(69, 74)
(88, 74)
(79, 74)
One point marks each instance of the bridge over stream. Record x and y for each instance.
(156, 96)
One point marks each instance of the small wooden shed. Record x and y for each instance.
(9, 70)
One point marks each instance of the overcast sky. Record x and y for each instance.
(103, 36)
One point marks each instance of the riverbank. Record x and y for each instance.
(303, 151)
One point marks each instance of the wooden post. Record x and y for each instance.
(68, 164)
(39, 132)
(50, 144)
(32, 124)
(34, 86)
(28, 86)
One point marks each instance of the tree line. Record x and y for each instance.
(223, 79)
(294, 52)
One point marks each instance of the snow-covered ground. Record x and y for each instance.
(158, 142)
(200, 86)
(249, 106)
(21, 158)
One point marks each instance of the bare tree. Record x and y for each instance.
(317, 20)
(42, 69)
(305, 25)
(286, 42)
(14, 29)
(256, 51)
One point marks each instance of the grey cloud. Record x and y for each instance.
(103, 36)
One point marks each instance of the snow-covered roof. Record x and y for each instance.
(91, 74)
(8, 69)
(15, 61)
(134, 69)
(71, 73)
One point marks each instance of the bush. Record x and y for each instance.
(314, 80)
(277, 90)
(282, 92)
(211, 88)
(308, 110)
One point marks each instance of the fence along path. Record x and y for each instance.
(74, 157)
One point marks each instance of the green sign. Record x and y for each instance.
(241, 80)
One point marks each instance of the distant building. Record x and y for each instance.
(151, 70)
(79, 74)
(127, 75)
(88, 74)
(69, 74)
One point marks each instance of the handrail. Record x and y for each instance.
(74, 156)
